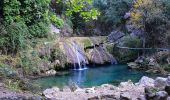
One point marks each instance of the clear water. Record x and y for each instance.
(113, 74)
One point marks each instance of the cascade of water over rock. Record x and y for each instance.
(75, 55)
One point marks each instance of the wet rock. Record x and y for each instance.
(161, 95)
(160, 82)
(133, 65)
(125, 96)
(146, 82)
(51, 72)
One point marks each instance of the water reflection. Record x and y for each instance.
(78, 77)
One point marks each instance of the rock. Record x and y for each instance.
(108, 86)
(146, 82)
(125, 96)
(66, 89)
(150, 93)
(51, 72)
(126, 84)
(142, 97)
(127, 15)
(160, 82)
(161, 95)
(37, 98)
(168, 80)
(49, 92)
(152, 62)
(133, 65)
(54, 30)
(1, 84)
(90, 90)
(15, 97)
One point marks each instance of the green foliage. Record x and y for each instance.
(58, 22)
(26, 10)
(13, 85)
(13, 36)
(39, 29)
(112, 12)
(87, 43)
(149, 17)
(83, 7)
(132, 42)
(11, 10)
(125, 55)
(7, 71)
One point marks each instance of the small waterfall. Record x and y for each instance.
(76, 56)
(81, 60)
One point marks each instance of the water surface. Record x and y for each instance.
(112, 74)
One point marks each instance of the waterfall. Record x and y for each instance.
(81, 60)
(76, 56)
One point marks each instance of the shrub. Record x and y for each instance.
(7, 71)
(40, 29)
(14, 36)
(58, 22)
(13, 85)
(132, 42)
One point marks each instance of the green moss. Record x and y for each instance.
(87, 42)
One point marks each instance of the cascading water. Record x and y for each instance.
(81, 60)
(75, 56)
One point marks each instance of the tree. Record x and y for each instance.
(112, 13)
(148, 17)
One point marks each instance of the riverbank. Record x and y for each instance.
(145, 89)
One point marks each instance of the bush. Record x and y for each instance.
(58, 22)
(40, 29)
(132, 42)
(14, 36)
(7, 71)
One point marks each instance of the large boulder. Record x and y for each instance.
(161, 95)
(49, 92)
(146, 82)
(160, 82)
